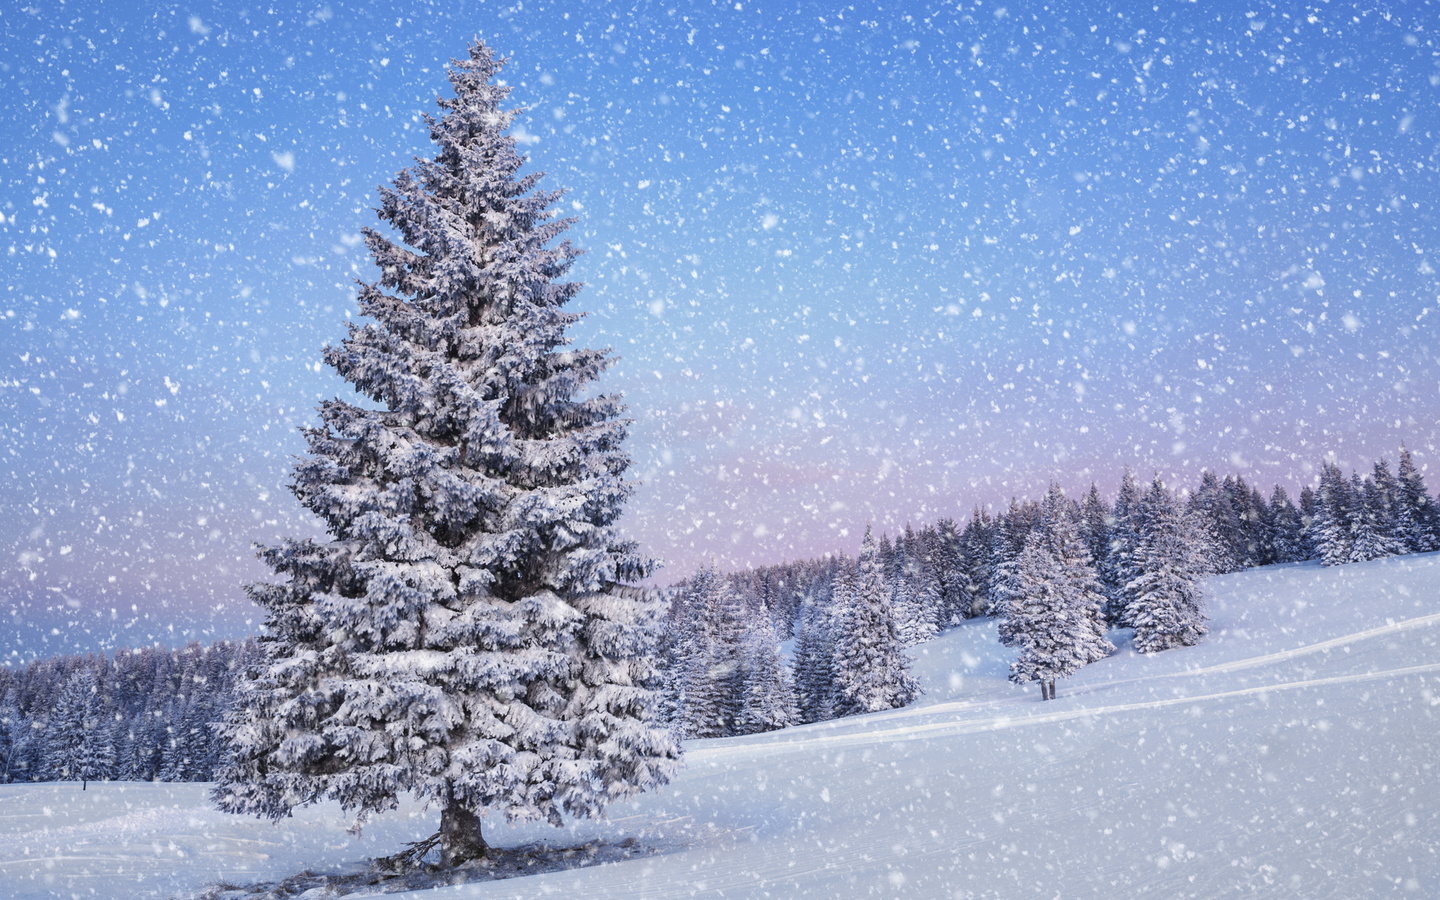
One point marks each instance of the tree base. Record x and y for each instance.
(460, 839)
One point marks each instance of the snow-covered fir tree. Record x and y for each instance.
(949, 559)
(706, 669)
(768, 701)
(1211, 507)
(473, 632)
(1167, 599)
(1284, 529)
(924, 582)
(1335, 517)
(1374, 529)
(1096, 523)
(1309, 507)
(1119, 565)
(1055, 617)
(871, 668)
(977, 562)
(815, 663)
(914, 592)
(1415, 515)
(15, 737)
(1248, 544)
(1012, 528)
(79, 739)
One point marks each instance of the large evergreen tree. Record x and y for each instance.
(472, 632)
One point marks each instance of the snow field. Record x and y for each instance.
(1288, 755)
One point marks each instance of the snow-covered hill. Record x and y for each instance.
(1291, 754)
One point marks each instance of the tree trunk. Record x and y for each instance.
(1052, 689)
(460, 839)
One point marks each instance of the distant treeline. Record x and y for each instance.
(148, 714)
(139, 715)
(1141, 554)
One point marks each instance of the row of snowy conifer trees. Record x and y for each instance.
(722, 656)
(1058, 574)
(139, 715)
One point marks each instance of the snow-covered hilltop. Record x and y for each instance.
(1291, 753)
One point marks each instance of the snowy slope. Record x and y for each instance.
(1291, 754)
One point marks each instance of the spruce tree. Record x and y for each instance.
(1375, 536)
(947, 554)
(1055, 616)
(79, 742)
(814, 664)
(1212, 506)
(711, 679)
(1096, 522)
(1334, 524)
(1285, 531)
(472, 632)
(977, 562)
(1415, 518)
(1167, 606)
(1119, 565)
(872, 670)
(914, 593)
(15, 737)
(1309, 522)
(769, 697)
(1012, 528)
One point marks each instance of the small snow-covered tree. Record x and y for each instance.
(78, 738)
(15, 739)
(1055, 616)
(977, 562)
(1415, 515)
(707, 668)
(1333, 529)
(1211, 506)
(473, 632)
(914, 593)
(1309, 507)
(1374, 529)
(871, 668)
(814, 663)
(1096, 523)
(1120, 564)
(1167, 606)
(768, 702)
(1284, 529)
(948, 555)
(1008, 540)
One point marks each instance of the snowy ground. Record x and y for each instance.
(1290, 755)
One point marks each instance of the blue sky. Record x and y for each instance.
(861, 263)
